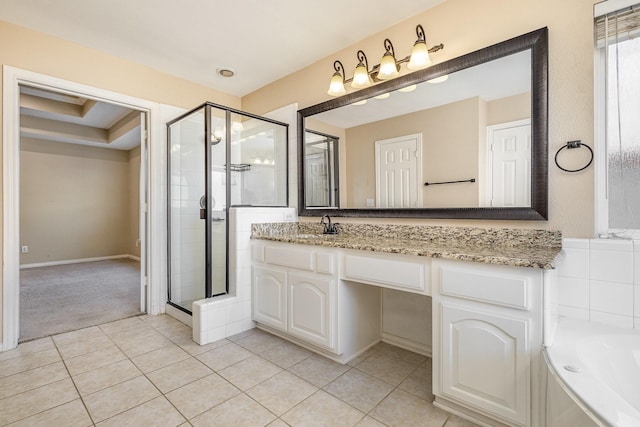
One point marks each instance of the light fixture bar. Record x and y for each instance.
(364, 77)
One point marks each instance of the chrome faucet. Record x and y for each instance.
(328, 228)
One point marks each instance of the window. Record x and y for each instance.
(617, 108)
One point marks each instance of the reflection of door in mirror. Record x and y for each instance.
(399, 172)
(321, 170)
(509, 164)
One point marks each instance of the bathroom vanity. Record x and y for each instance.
(487, 289)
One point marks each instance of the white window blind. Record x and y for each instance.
(618, 26)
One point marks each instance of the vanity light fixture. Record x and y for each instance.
(383, 96)
(388, 68)
(361, 78)
(408, 88)
(440, 79)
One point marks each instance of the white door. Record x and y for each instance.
(311, 309)
(485, 361)
(509, 164)
(399, 172)
(270, 297)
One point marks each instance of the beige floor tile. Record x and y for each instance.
(106, 376)
(193, 348)
(157, 412)
(419, 383)
(160, 358)
(28, 347)
(318, 370)
(369, 422)
(111, 401)
(278, 423)
(387, 369)
(226, 355)
(97, 359)
(355, 361)
(29, 361)
(244, 334)
(240, 411)
(34, 401)
(202, 395)
(360, 390)
(84, 345)
(31, 379)
(71, 414)
(77, 335)
(455, 421)
(259, 342)
(281, 392)
(249, 372)
(141, 342)
(179, 374)
(322, 409)
(404, 409)
(122, 325)
(286, 354)
(399, 353)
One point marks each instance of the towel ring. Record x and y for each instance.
(571, 145)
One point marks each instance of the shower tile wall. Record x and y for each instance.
(599, 280)
(217, 318)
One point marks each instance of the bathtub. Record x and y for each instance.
(599, 368)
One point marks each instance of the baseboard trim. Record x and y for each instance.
(407, 344)
(77, 261)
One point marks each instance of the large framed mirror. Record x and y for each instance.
(465, 138)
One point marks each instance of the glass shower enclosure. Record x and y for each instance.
(218, 158)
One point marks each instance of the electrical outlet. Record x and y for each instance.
(24, 249)
(369, 202)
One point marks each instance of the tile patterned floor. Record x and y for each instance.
(147, 371)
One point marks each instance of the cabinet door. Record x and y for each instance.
(270, 297)
(311, 308)
(485, 361)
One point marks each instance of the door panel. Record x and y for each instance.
(399, 172)
(510, 164)
(310, 308)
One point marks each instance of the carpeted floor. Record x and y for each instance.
(64, 298)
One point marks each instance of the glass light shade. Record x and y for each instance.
(383, 96)
(408, 88)
(439, 79)
(364, 101)
(419, 56)
(336, 87)
(361, 77)
(388, 67)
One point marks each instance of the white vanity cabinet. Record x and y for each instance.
(487, 331)
(297, 294)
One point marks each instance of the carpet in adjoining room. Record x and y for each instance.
(64, 298)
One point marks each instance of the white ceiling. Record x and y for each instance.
(56, 117)
(261, 40)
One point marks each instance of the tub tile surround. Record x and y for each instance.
(599, 281)
(218, 318)
(502, 246)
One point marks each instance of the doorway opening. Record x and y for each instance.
(151, 216)
(81, 189)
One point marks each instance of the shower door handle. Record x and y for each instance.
(203, 213)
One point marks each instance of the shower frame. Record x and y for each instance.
(208, 106)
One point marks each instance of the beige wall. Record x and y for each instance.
(464, 26)
(34, 51)
(449, 152)
(75, 201)
(509, 109)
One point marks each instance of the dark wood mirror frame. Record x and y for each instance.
(537, 41)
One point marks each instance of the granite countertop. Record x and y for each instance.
(514, 247)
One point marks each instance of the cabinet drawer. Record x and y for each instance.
(381, 272)
(297, 257)
(492, 287)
